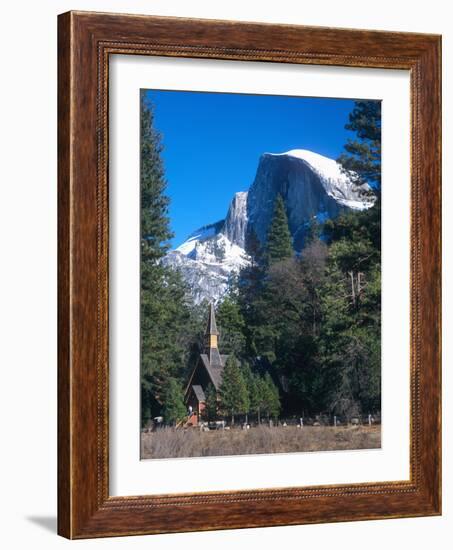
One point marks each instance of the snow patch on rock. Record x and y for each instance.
(336, 181)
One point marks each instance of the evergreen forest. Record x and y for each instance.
(302, 330)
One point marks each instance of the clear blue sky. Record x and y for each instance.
(213, 142)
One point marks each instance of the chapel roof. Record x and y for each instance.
(199, 393)
(215, 370)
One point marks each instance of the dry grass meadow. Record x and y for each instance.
(178, 443)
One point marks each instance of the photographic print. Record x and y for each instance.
(260, 274)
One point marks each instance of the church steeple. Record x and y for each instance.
(209, 367)
(212, 333)
(211, 336)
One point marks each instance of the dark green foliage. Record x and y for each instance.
(351, 305)
(313, 232)
(350, 340)
(363, 154)
(231, 326)
(302, 331)
(253, 246)
(279, 242)
(234, 397)
(174, 409)
(249, 288)
(252, 382)
(166, 319)
(314, 320)
(211, 409)
(357, 226)
(155, 231)
(270, 399)
(165, 344)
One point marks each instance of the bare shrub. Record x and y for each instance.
(177, 443)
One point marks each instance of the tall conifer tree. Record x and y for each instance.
(271, 398)
(174, 409)
(350, 335)
(164, 315)
(363, 153)
(279, 243)
(211, 402)
(234, 397)
(155, 231)
(232, 326)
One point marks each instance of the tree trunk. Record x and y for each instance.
(351, 273)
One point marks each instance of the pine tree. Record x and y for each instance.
(350, 337)
(251, 276)
(253, 247)
(267, 397)
(250, 286)
(261, 396)
(232, 326)
(363, 154)
(164, 313)
(259, 307)
(211, 402)
(174, 409)
(270, 396)
(253, 389)
(155, 232)
(279, 243)
(234, 397)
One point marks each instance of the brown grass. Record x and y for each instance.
(171, 443)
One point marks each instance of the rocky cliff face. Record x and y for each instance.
(236, 221)
(313, 187)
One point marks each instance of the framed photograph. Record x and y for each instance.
(249, 275)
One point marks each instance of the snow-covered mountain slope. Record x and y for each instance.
(312, 186)
(214, 253)
(210, 266)
(335, 181)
